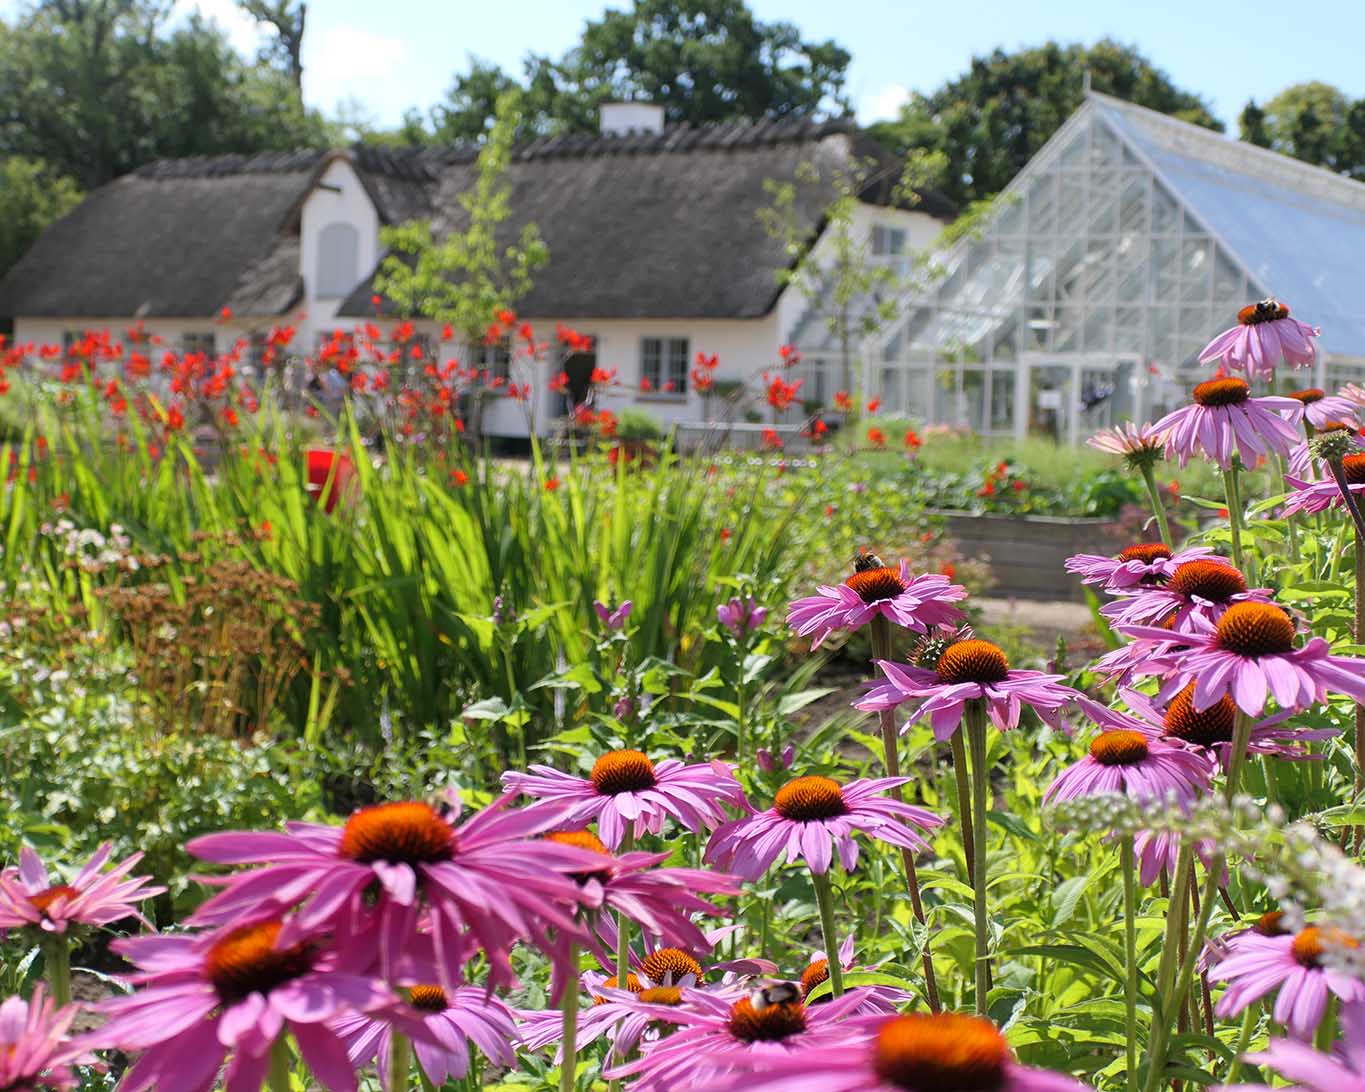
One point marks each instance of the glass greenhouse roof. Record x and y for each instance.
(1297, 230)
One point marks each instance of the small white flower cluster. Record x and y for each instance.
(1302, 870)
(92, 550)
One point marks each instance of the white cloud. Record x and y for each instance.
(242, 31)
(347, 62)
(884, 103)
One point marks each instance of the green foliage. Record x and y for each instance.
(1312, 121)
(97, 89)
(31, 197)
(703, 61)
(634, 423)
(991, 120)
(469, 275)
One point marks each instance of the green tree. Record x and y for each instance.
(1252, 126)
(991, 120)
(95, 88)
(1310, 121)
(287, 19)
(31, 197)
(470, 273)
(701, 60)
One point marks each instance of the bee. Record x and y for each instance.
(867, 560)
(779, 993)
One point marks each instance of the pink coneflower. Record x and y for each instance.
(1313, 1071)
(717, 1036)
(30, 897)
(1206, 586)
(1158, 850)
(613, 1013)
(1132, 764)
(35, 1054)
(1249, 653)
(918, 603)
(811, 817)
(1139, 566)
(626, 791)
(1256, 964)
(659, 900)
(883, 999)
(1206, 731)
(1224, 418)
(666, 965)
(942, 1052)
(451, 1021)
(1317, 496)
(1264, 336)
(1140, 445)
(233, 992)
(1303, 463)
(1321, 409)
(490, 875)
(967, 671)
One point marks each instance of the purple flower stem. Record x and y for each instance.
(881, 650)
(975, 721)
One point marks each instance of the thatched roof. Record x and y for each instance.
(661, 225)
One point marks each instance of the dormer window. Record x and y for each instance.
(338, 261)
(887, 240)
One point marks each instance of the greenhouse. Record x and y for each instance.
(1124, 245)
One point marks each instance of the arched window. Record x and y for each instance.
(338, 259)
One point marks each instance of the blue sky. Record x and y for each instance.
(385, 57)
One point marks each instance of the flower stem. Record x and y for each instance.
(1161, 1024)
(278, 1078)
(964, 802)
(1360, 639)
(1249, 1020)
(400, 1055)
(568, 1068)
(57, 961)
(881, 650)
(824, 898)
(1158, 508)
(1234, 513)
(623, 923)
(1129, 866)
(975, 721)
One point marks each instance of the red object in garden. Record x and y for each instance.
(325, 485)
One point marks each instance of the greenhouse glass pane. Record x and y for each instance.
(1002, 401)
(1104, 202)
(1042, 205)
(1133, 202)
(1165, 212)
(1196, 275)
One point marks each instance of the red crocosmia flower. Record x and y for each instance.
(829, 511)
(670, 386)
(644, 383)
(447, 332)
(725, 534)
(948, 569)
(505, 317)
(230, 417)
(559, 383)
(1223, 513)
(874, 405)
(331, 475)
(1018, 486)
(789, 355)
(225, 315)
(987, 490)
(702, 380)
(376, 301)
(459, 477)
(912, 440)
(771, 439)
(842, 401)
(876, 437)
(174, 420)
(551, 484)
(1173, 488)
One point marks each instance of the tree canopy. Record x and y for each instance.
(95, 88)
(1312, 121)
(701, 60)
(991, 120)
